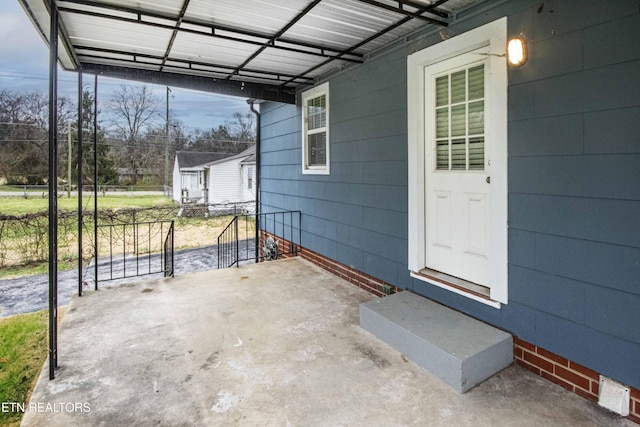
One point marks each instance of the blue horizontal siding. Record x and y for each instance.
(612, 131)
(601, 49)
(573, 178)
(612, 176)
(556, 19)
(603, 220)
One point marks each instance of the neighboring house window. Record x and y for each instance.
(250, 178)
(315, 130)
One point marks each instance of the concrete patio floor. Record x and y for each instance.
(272, 344)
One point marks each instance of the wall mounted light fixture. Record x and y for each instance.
(517, 51)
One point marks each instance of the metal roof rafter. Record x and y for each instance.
(432, 7)
(175, 32)
(417, 15)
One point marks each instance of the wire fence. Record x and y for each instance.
(24, 238)
(38, 190)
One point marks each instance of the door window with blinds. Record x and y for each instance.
(459, 115)
(315, 130)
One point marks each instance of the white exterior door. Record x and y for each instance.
(458, 190)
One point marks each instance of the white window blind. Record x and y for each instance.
(459, 115)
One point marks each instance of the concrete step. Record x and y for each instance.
(456, 348)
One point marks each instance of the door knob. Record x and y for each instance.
(488, 180)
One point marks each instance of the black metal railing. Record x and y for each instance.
(168, 252)
(136, 249)
(228, 245)
(265, 236)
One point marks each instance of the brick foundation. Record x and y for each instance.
(362, 280)
(566, 373)
(635, 406)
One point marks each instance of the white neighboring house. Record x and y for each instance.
(190, 175)
(233, 179)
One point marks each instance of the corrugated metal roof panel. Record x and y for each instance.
(282, 61)
(342, 23)
(162, 6)
(96, 9)
(330, 67)
(263, 16)
(212, 50)
(92, 31)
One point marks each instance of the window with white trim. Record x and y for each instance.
(315, 130)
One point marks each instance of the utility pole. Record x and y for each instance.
(166, 145)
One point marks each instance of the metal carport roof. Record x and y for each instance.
(260, 49)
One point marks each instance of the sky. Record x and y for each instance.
(24, 67)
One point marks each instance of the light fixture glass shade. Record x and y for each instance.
(516, 51)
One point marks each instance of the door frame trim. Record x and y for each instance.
(493, 36)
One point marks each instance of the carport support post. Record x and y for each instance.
(53, 190)
(95, 179)
(79, 153)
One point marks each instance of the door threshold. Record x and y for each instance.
(457, 283)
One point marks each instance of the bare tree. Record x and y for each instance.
(24, 124)
(241, 126)
(235, 135)
(180, 135)
(242, 130)
(212, 140)
(134, 113)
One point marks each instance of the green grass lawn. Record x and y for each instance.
(20, 205)
(17, 206)
(23, 350)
